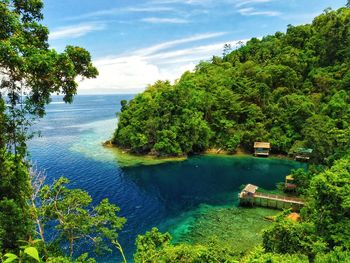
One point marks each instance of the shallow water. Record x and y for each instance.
(166, 195)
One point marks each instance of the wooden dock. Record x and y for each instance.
(249, 196)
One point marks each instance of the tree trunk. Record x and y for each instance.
(71, 244)
(119, 247)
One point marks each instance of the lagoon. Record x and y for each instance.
(171, 195)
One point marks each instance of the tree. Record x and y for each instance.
(288, 237)
(227, 50)
(15, 217)
(15, 225)
(302, 179)
(30, 254)
(155, 247)
(333, 257)
(68, 210)
(259, 255)
(30, 72)
(317, 135)
(329, 207)
(150, 244)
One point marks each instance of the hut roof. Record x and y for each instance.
(250, 188)
(304, 150)
(294, 216)
(265, 145)
(289, 177)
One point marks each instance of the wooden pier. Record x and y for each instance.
(249, 196)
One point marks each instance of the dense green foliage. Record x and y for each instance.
(15, 218)
(76, 224)
(68, 210)
(30, 73)
(289, 237)
(259, 255)
(326, 218)
(291, 89)
(154, 247)
(328, 206)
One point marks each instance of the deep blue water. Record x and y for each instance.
(159, 195)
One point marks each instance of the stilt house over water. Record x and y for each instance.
(246, 196)
(262, 148)
(303, 154)
(250, 197)
(249, 190)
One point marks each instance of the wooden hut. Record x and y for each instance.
(262, 148)
(303, 154)
(249, 190)
(246, 196)
(289, 184)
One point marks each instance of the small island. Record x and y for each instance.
(286, 89)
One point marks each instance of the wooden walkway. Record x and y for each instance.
(285, 199)
(249, 196)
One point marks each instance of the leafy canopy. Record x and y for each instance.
(29, 73)
(68, 210)
(289, 89)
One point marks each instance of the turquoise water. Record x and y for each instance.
(165, 195)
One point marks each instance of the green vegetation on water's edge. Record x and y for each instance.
(126, 159)
(290, 89)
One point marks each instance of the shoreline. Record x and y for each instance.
(150, 159)
(243, 153)
(125, 158)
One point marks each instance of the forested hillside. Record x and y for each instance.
(291, 89)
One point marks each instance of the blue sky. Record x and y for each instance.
(135, 43)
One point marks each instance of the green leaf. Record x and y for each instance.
(10, 257)
(32, 252)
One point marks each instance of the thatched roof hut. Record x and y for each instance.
(262, 148)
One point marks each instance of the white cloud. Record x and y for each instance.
(193, 54)
(132, 73)
(186, 2)
(200, 50)
(116, 11)
(122, 74)
(249, 11)
(150, 9)
(173, 43)
(250, 2)
(75, 31)
(158, 20)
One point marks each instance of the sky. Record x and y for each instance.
(135, 43)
